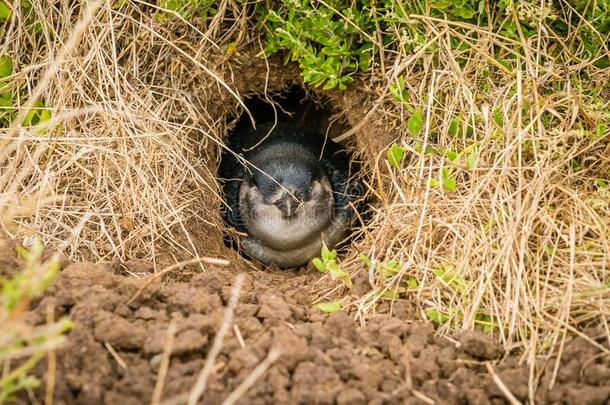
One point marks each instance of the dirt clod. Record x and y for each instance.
(479, 345)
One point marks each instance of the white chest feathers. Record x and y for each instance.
(266, 223)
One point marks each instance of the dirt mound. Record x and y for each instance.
(324, 358)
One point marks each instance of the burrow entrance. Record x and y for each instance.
(299, 109)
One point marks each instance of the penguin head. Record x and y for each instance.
(285, 202)
(288, 186)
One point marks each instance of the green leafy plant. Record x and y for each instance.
(187, 9)
(5, 11)
(436, 316)
(483, 321)
(327, 263)
(450, 277)
(471, 159)
(415, 122)
(395, 155)
(333, 41)
(6, 66)
(399, 92)
(36, 115)
(19, 339)
(329, 50)
(6, 102)
(389, 270)
(445, 180)
(330, 306)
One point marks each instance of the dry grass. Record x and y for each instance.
(139, 109)
(126, 158)
(524, 240)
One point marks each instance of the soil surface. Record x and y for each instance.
(324, 358)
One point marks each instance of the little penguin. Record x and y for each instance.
(288, 188)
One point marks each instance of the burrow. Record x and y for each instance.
(270, 85)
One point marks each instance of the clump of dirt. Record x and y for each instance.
(324, 358)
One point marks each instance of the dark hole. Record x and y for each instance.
(292, 105)
(304, 121)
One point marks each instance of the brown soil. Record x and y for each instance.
(325, 358)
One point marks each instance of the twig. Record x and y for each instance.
(167, 351)
(115, 355)
(239, 337)
(257, 373)
(422, 397)
(202, 380)
(509, 395)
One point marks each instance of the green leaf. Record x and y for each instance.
(450, 277)
(449, 184)
(364, 60)
(601, 183)
(454, 127)
(398, 91)
(319, 264)
(339, 274)
(431, 150)
(600, 130)
(364, 259)
(23, 252)
(440, 5)
(435, 316)
(392, 294)
(498, 117)
(471, 160)
(464, 12)
(33, 116)
(6, 110)
(5, 11)
(326, 254)
(395, 155)
(329, 307)
(36, 27)
(391, 268)
(451, 155)
(45, 115)
(415, 122)
(486, 322)
(412, 283)
(6, 66)
(393, 265)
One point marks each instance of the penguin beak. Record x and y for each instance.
(288, 205)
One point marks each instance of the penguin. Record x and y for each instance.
(287, 188)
